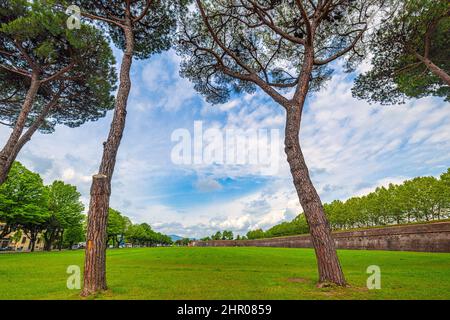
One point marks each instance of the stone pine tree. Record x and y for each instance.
(49, 74)
(284, 46)
(139, 28)
(411, 54)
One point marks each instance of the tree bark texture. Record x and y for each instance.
(95, 259)
(327, 260)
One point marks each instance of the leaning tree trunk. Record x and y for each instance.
(95, 260)
(327, 260)
(98, 210)
(8, 148)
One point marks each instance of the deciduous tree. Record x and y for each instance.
(232, 46)
(117, 227)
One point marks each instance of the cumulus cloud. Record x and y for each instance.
(169, 91)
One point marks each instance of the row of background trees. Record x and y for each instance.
(420, 199)
(55, 213)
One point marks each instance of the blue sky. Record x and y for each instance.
(351, 147)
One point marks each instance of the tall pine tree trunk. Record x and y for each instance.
(8, 148)
(327, 260)
(434, 68)
(95, 271)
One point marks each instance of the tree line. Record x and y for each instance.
(52, 74)
(55, 213)
(143, 235)
(420, 199)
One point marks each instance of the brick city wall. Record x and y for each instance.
(430, 237)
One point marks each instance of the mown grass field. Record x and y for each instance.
(227, 273)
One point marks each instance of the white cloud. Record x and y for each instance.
(385, 182)
(68, 174)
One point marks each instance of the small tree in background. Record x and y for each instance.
(410, 55)
(234, 46)
(48, 74)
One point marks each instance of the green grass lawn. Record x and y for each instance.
(227, 273)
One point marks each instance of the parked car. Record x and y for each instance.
(80, 245)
